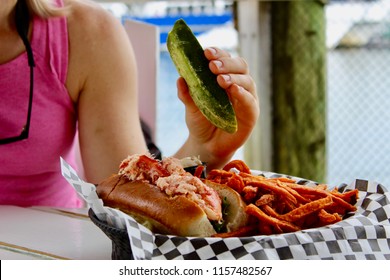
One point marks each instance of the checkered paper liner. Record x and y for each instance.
(364, 234)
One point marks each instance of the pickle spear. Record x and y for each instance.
(188, 56)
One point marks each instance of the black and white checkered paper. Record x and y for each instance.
(362, 235)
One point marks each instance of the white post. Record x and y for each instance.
(254, 45)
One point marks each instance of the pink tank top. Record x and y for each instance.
(30, 172)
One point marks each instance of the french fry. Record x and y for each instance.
(249, 194)
(349, 196)
(265, 199)
(338, 200)
(237, 164)
(296, 194)
(307, 208)
(236, 183)
(270, 211)
(265, 229)
(273, 186)
(253, 210)
(328, 218)
(198, 171)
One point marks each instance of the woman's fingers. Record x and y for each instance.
(244, 81)
(230, 70)
(224, 65)
(222, 62)
(215, 53)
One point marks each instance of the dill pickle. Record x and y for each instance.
(188, 56)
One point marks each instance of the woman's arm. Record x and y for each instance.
(102, 81)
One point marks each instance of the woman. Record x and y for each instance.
(84, 85)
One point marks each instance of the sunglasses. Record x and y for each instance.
(22, 25)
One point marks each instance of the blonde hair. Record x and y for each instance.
(45, 8)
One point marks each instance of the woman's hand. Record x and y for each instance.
(214, 145)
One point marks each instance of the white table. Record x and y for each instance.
(50, 233)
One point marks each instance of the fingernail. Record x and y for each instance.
(217, 63)
(213, 51)
(240, 89)
(226, 78)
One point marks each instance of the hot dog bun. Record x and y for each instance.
(169, 215)
(153, 208)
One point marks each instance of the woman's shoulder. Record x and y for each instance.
(96, 39)
(89, 19)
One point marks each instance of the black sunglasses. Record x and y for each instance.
(22, 25)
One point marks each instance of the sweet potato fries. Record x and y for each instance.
(280, 205)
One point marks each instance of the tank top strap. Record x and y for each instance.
(50, 42)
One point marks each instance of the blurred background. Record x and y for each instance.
(322, 69)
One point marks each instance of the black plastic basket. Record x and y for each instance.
(121, 249)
